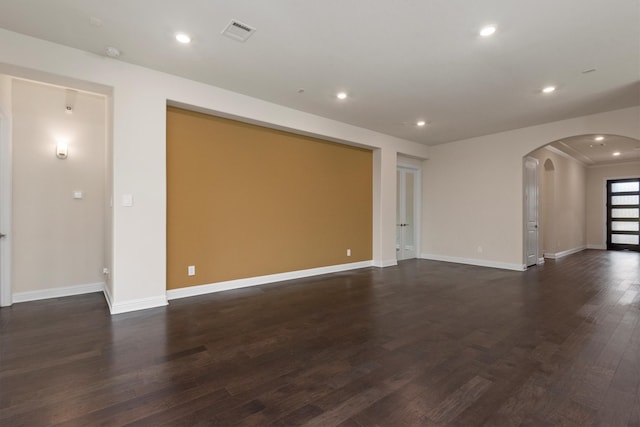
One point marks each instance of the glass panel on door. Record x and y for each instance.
(623, 214)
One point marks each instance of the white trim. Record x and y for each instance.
(478, 262)
(598, 247)
(108, 298)
(565, 253)
(608, 165)
(567, 155)
(58, 292)
(541, 260)
(525, 215)
(261, 280)
(385, 263)
(417, 203)
(136, 304)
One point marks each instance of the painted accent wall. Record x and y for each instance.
(58, 241)
(246, 201)
(562, 203)
(597, 177)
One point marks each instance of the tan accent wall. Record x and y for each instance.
(246, 201)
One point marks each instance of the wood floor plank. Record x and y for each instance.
(423, 343)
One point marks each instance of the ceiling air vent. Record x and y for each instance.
(238, 31)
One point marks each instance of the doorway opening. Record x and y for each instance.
(55, 179)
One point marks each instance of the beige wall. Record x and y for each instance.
(58, 241)
(562, 202)
(473, 189)
(140, 98)
(246, 201)
(597, 177)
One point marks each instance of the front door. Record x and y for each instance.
(623, 214)
(406, 213)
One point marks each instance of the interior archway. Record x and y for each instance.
(572, 177)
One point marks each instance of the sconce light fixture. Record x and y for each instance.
(62, 150)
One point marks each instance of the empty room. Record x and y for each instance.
(409, 213)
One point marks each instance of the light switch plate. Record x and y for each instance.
(77, 194)
(127, 200)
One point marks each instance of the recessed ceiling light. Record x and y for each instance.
(341, 95)
(112, 52)
(616, 153)
(421, 123)
(488, 31)
(96, 22)
(183, 38)
(599, 138)
(549, 89)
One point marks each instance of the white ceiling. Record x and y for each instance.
(399, 61)
(590, 151)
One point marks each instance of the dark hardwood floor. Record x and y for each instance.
(425, 343)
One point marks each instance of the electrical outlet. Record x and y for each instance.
(105, 271)
(348, 252)
(191, 270)
(479, 249)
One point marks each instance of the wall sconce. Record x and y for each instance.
(62, 150)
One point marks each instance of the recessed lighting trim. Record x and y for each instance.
(421, 123)
(341, 95)
(549, 89)
(599, 138)
(616, 153)
(183, 38)
(487, 31)
(112, 52)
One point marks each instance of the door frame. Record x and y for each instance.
(417, 204)
(525, 218)
(5, 209)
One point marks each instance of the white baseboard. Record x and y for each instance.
(565, 253)
(136, 304)
(541, 260)
(108, 298)
(478, 262)
(57, 292)
(261, 280)
(598, 247)
(385, 263)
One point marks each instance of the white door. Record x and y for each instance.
(406, 213)
(531, 210)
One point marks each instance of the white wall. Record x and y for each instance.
(564, 206)
(597, 177)
(58, 241)
(473, 189)
(139, 99)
